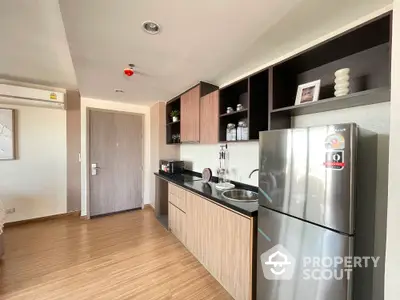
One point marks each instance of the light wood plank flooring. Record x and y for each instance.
(124, 256)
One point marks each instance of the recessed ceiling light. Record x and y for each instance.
(151, 27)
(119, 91)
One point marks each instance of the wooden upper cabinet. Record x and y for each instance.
(209, 118)
(190, 116)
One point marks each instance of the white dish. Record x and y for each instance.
(224, 186)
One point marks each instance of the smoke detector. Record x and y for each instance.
(151, 27)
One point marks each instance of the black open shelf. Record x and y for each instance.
(237, 112)
(172, 127)
(234, 94)
(231, 96)
(252, 93)
(231, 118)
(365, 50)
(172, 123)
(367, 97)
(259, 104)
(241, 141)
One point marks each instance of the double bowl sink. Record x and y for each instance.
(240, 195)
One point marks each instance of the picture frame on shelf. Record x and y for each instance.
(308, 92)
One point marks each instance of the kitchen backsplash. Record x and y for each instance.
(243, 158)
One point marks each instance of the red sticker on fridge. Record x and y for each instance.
(334, 160)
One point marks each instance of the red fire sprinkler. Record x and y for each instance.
(130, 70)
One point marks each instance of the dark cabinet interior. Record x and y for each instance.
(173, 128)
(231, 96)
(259, 104)
(252, 94)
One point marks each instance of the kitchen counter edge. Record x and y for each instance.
(222, 202)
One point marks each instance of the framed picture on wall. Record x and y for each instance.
(7, 134)
(308, 92)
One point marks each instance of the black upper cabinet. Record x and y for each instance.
(231, 96)
(259, 107)
(234, 94)
(252, 93)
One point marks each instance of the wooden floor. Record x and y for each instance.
(124, 256)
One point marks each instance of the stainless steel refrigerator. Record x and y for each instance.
(317, 191)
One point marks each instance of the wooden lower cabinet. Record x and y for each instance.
(177, 196)
(177, 222)
(222, 241)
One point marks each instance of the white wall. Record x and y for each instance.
(115, 106)
(392, 277)
(35, 183)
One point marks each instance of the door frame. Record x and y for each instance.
(88, 158)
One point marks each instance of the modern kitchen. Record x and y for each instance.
(295, 156)
(201, 150)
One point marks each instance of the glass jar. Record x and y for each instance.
(231, 132)
(239, 132)
(244, 130)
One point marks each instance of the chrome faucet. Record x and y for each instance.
(255, 170)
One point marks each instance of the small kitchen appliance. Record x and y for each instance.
(171, 166)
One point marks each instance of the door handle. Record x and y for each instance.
(94, 169)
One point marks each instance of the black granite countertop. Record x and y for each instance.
(209, 191)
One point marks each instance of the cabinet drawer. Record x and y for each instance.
(171, 189)
(177, 196)
(177, 222)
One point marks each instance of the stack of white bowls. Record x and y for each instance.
(342, 82)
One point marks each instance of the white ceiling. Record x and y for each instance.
(198, 40)
(33, 45)
(210, 40)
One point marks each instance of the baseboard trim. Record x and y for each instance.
(41, 219)
(115, 213)
(148, 206)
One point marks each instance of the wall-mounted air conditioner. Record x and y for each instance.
(17, 95)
